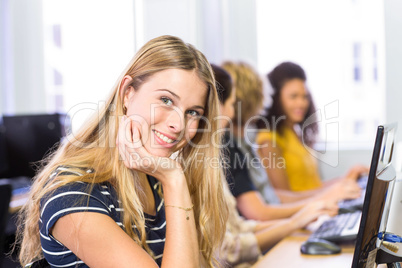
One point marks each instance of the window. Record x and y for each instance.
(357, 62)
(375, 63)
(85, 51)
(341, 48)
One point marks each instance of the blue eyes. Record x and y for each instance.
(193, 113)
(169, 102)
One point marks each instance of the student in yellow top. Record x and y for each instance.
(300, 166)
(283, 137)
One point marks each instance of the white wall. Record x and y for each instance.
(96, 46)
(346, 159)
(222, 30)
(393, 40)
(241, 31)
(175, 17)
(22, 68)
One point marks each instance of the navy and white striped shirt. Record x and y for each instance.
(75, 197)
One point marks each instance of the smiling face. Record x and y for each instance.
(168, 107)
(295, 101)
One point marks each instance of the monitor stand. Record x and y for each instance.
(385, 256)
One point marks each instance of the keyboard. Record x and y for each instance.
(340, 228)
(351, 205)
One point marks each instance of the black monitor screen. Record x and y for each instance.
(377, 198)
(28, 138)
(3, 152)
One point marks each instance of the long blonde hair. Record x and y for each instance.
(94, 146)
(249, 91)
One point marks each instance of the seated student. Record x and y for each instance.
(243, 162)
(245, 240)
(110, 196)
(287, 137)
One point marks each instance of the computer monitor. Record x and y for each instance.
(28, 138)
(3, 151)
(377, 198)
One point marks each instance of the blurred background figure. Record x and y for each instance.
(246, 240)
(285, 135)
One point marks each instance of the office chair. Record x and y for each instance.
(5, 197)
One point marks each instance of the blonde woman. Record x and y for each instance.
(112, 196)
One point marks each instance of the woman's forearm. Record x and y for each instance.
(268, 237)
(181, 245)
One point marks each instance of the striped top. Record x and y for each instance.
(102, 198)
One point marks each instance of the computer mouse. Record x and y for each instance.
(344, 210)
(316, 246)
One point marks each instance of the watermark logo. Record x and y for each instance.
(329, 124)
(327, 152)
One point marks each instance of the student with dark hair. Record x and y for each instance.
(282, 74)
(284, 135)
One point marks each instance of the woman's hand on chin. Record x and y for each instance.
(136, 156)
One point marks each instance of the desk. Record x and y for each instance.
(287, 254)
(17, 201)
